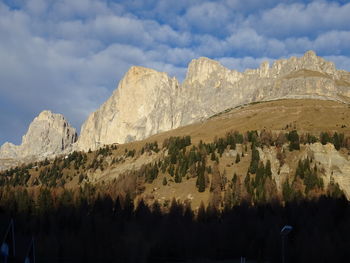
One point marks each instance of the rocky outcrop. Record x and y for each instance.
(147, 102)
(336, 165)
(143, 104)
(278, 173)
(211, 88)
(48, 135)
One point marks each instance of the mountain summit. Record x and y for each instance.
(147, 102)
(48, 135)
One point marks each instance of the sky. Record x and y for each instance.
(68, 56)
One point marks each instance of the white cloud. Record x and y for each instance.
(37, 7)
(341, 62)
(67, 9)
(333, 42)
(207, 17)
(301, 19)
(68, 56)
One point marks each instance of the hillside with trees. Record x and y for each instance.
(135, 202)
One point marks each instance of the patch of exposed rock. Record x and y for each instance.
(279, 174)
(335, 165)
(48, 135)
(128, 165)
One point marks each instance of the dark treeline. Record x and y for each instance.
(114, 231)
(244, 216)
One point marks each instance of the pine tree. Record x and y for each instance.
(268, 172)
(255, 160)
(213, 156)
(178, 177)
(171, 170)
(287, 191)
(247, 184)
(260, 175)
(324, 137)
(234, 178)
(293, 137)
(201, 216)
(336, 141)
(238, 158)
(201, 182)
(45, 202)
(300, 170)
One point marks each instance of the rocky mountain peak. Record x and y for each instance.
(310, 54)
(139, 71)
(203, 65)
(47, 115)
(207, 73)
(309, 61)
(143, 104)
(147, 102)
(49, 134)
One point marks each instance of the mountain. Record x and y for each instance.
(170, 164)
(232, 155)
(48, 135)
(143, 104)
(273, 120)
(147, 102)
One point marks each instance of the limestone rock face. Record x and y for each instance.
(206, 90)
(147, 102)
(143, 104)
(336, 166)
(48, 135)
(211, 88)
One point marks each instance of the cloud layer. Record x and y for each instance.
(68, 56)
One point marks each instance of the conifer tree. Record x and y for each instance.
(234, 178)
(201, 182)
(238, 158)
(287, 191)
(324, 138)
(45, 202)
(171, 170)
(255, 160)
(268, 172)
(336, 141)
(178, 177)
(293, 137)
(213, 156)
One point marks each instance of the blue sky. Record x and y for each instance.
(68, 56)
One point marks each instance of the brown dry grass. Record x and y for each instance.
(306, 115)
(305, 73)
(312, 116)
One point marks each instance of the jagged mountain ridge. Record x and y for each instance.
(147, 102)
(130, 167)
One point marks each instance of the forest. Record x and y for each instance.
(245, 214)
(115, 231)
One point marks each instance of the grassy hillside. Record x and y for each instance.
(217, 151)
